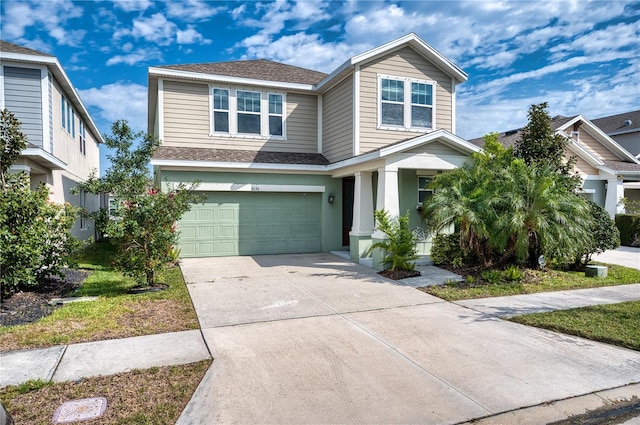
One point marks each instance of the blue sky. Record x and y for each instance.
(582, 57)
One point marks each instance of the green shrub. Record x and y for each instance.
(400, 247)
(494, 277)
(446, 250)
(513, 274)
(629, 227)
(604, 236)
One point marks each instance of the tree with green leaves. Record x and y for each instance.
(541, 146)
(35, 239)
(144, 227)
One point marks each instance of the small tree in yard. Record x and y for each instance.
(34, 233)
(144, 228)
(400, 247)
(604, 235)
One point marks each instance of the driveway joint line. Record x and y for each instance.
(389, 346)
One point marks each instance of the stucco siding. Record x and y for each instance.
(402, 63)
(337, 119)
(186, 118)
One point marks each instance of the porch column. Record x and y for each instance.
(387, 199)
(615, 193)
(362, 227)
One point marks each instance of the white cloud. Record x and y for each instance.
(121, 100)
(155, 29)
(51, 15)
(190, 36)
(132, 5)
(140, 55)
(318, 55)
(296, 15)
(192, 9)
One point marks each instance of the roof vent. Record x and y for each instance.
(628, 122)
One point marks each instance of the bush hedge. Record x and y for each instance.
(629, 227)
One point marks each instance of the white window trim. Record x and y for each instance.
(407, 104)
(233, 113)
(422, 189)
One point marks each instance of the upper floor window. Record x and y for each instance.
(239, 112)
(83, 140)
(68, 117)
(405, 103)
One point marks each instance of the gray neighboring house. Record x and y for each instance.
(609, 172)
(63, 140)
(624, 129)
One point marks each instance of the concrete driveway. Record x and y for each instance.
(316, 339)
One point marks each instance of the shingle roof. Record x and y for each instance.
(5, 46)
(616, 123)
(622, 166)
(231, 155)
(509, 138)
(260, 69)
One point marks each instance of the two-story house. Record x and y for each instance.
(608, 171)
(62, 139)
(293, 160)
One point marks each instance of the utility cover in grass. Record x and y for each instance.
(80, 410)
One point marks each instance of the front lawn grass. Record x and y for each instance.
(533, 282)
(151, 396)
(617, 324)
(115, 314)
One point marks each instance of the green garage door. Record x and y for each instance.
(250, 223)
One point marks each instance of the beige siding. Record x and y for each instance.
(583, 168)
(402, 63)
(337, 118)
(186, 114)
(186, 122)
(596, 148)
(435, 148)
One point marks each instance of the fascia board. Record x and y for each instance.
(51, 161)
(59, 73)
(162, 72)
(237, 165)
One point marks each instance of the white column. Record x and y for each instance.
(388, 198)
(387, 195)
(362, 205)
(615, 193)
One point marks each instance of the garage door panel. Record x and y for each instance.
(248, 223)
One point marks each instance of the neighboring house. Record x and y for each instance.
(293, 160)
(624, 129)
(62, 146)
(608, 171)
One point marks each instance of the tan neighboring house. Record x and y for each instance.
(609, 172)
(62, 138)
(292, 160)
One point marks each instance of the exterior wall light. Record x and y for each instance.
(331, 198)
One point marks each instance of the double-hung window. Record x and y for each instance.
(424, 192)
(250, 113)
(275, 114)
(221, 110)
(68, 117)
(405, 103)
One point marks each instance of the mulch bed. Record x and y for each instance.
(399, 274)
(28, 306)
